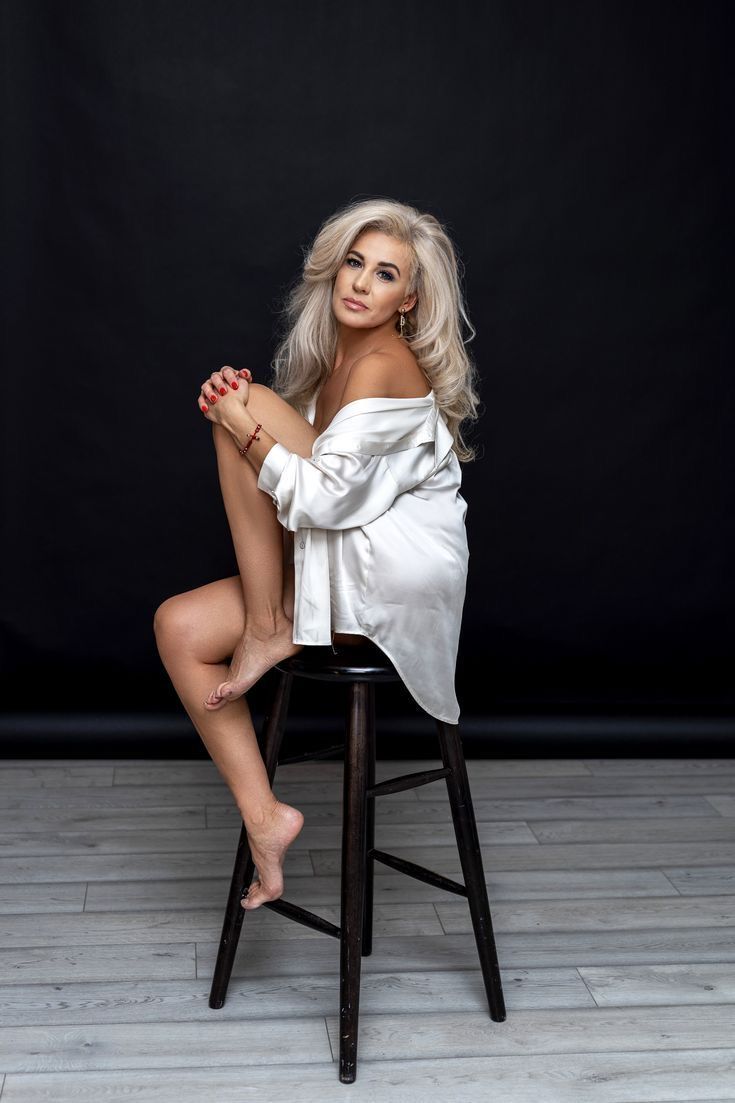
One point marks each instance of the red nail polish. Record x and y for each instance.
(235, 385)
(213, 398)
(223, 390)
(204, 409)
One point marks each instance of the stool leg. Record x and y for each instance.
(353, 877)
(468, 843)
(242, 873)
(367, 920)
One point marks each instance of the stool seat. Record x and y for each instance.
(354, 662)
(360, 666)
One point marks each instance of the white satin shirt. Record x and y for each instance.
(380, 545)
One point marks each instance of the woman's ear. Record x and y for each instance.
(410, 303)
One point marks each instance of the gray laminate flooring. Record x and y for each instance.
(612, 888)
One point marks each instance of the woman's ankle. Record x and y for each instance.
(266, 624)
(257, 816)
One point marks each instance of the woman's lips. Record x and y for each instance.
(354, 305)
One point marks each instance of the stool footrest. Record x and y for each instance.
(301, 915)
(419, 872)
(408, 781)
(307, 756)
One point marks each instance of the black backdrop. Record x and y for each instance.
(164, 165)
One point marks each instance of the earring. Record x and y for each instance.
(403, 323)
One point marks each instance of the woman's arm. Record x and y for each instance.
(374, 375)
(240, 423)
(233, 414)
(336, 490)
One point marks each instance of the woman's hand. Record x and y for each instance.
(223, 390)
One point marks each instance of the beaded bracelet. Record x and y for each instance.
(251, 438)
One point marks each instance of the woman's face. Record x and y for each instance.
(374, 274)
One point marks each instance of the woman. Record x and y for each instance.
(354, 451)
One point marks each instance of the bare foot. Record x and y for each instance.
(268, 846)
(255, 653)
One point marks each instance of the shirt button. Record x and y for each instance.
(302, 544)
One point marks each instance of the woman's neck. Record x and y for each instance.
(352, 343)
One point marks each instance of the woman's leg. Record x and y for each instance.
(257, 536)
(249, 618)
(195, 632)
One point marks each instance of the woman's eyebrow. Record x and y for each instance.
(381, 263)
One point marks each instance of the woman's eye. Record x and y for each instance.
(383, 272)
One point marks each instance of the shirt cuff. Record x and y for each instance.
(272, 467)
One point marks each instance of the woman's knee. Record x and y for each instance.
(174, 623)
(204, 623)
(264, 402)
(259, 389)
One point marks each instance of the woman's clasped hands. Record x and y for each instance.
(222, 390)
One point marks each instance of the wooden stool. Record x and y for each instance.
(361, 667)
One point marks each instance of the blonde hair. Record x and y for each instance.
(305, 355)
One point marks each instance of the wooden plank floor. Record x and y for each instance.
(612, 887)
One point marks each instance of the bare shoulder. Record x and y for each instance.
(385, 375)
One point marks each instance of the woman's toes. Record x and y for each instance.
(256, 896)
(221, 695)
(228, 691)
